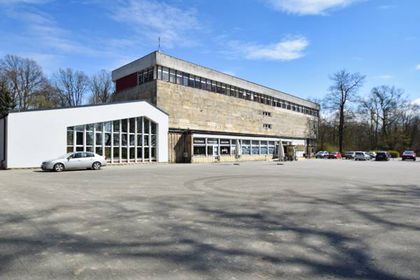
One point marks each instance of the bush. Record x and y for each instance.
(394, 154)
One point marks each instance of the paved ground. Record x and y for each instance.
(315, 219)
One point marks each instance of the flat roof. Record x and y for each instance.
(159, 58)
(86, 105)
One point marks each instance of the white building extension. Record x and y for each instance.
(122, 132)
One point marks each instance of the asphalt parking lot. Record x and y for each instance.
(312, 219)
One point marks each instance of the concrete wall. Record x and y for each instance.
(196, 109)
(146, 92)
(35, 136)
(2, 135)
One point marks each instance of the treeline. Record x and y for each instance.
(382, 119)
(24, 86)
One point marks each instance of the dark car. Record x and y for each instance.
(408, 155)
(349, 155)
(322, 154)
(334, 155)
(382, 156)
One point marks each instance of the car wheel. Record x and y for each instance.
(96, 165)
(58, 167)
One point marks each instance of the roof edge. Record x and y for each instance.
(87, 105)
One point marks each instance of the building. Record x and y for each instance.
(166, 109)
(214, 116)
(122, 132)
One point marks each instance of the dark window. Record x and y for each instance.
(141, 80)
(79, 138)
(172, 76)
(159, 72)
(199, 150)
(124, 125)
(165, 74)
(179, 77)
(191, 81)
(70, 137)
(197, 82)
(185, 78)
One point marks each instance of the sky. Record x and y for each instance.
(290, 45)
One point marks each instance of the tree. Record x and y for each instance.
(71, 86)
(6, 102)
(24, 77)
(102, 88)
(344, 90)
(47, 98)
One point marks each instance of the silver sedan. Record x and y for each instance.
(76, 160)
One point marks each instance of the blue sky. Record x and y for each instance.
(291, 45)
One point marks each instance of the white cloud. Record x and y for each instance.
(416, 101)
(309, 7)
(290, 48)
(152, 19)
(418, 67)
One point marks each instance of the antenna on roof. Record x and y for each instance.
(159, 44)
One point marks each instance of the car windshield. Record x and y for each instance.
(408, 152)
(66, 155)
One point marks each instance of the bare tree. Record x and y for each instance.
(24, 77)
(102, 88)
(71, 86)
(344, 90)
(390, 102)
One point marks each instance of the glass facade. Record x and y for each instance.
(221, 146)
(126, 140)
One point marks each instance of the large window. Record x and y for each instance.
(212, 146)
(126, 140)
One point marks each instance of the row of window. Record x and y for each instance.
(217, 147)
(267, 125)
(145, 75)
(186, 79)
(125, 140)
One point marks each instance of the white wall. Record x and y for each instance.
(2, 132)
(36, 136)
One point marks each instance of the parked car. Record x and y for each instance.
(334, 155)
(372, 155)
(408, 155)
(322, 154)
(382, 155)
(362, 156)
(349, 155)
(76, 160)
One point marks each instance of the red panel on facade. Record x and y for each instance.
(126, 82)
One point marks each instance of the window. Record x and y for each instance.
(178, 77)
(119, 140)
(199, 150)
(267, 114)
(165, 74)
(267, 126)
(172, 75)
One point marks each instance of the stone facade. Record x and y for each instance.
(196, 109)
